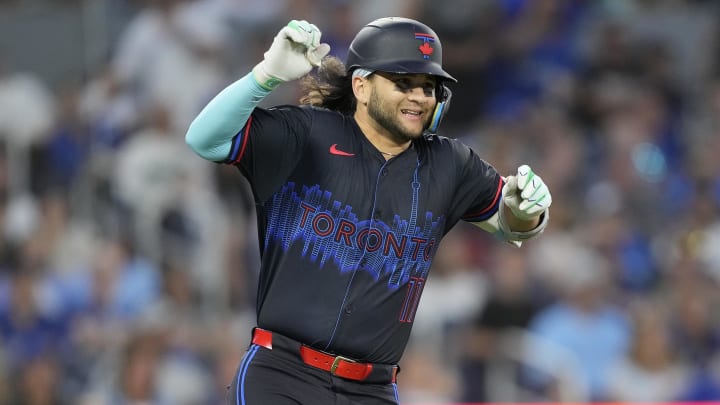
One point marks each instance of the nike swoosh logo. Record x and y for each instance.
(335, 151)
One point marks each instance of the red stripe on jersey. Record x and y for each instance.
(489, 207)
(246, 135)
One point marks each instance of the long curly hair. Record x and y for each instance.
(329, 87)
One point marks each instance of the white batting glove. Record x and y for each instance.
(526, 194)
(293, 53)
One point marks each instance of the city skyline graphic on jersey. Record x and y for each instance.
(330, 231)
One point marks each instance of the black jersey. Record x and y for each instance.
(347, 238)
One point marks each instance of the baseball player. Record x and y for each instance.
(354, 191)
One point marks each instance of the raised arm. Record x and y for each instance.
(293, 53)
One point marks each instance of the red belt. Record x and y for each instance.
(336, 365)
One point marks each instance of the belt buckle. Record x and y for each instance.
(337, 360)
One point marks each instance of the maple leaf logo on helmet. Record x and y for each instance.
(425, 48)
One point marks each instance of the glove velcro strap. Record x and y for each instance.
(511, 235)
(265, 80)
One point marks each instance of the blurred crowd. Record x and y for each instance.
(128, 265)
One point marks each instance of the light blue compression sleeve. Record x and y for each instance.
(211, 133)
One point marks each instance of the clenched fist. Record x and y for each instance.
(293, 53)
(526, 194)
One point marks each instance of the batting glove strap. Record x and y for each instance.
(265, 79)
(516, 236)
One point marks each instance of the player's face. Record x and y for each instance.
(402, 104)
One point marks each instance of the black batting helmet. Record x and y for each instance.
(397, 45)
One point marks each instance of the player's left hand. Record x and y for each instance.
(526, 194)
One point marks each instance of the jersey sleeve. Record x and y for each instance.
(479, 193)
(269, 146)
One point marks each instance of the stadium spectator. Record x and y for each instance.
(650, 371)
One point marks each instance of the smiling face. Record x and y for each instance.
(400, 105)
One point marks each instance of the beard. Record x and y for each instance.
(385, 117)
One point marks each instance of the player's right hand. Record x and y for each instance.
(293, 53)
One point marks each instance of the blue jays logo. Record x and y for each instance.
(425, 48)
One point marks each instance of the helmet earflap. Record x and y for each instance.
(443, 94)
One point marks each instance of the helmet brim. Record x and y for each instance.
(413, 67)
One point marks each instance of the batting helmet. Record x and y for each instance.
(397, 45)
